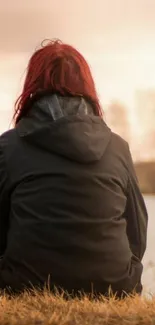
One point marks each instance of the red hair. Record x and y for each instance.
(58, 68)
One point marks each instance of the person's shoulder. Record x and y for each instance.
(120, 146)
(119, 141)
(8, 138)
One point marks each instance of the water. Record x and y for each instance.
(149, 258)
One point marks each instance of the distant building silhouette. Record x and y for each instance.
(145, 121)
(145, 109)
(117, 119)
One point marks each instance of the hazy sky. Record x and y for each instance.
(116, 36)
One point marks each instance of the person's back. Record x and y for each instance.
(71, 213)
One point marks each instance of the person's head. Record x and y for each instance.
(57, 68)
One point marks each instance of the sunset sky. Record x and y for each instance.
(117, 38)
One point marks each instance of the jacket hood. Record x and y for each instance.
(66, 126)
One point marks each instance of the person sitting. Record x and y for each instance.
(71, 212)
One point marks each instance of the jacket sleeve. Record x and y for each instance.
(136, 213)
(4, 203)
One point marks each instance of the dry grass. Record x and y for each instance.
(44, 308)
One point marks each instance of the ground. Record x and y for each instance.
(40, 309)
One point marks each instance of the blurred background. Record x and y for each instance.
(117, 37)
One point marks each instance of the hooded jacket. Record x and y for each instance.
(71, 212)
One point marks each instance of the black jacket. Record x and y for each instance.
(71, 212)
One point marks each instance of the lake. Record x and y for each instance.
(149, 258)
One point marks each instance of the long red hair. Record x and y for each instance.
(58, 68)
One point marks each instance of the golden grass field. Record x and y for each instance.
(44, 308)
